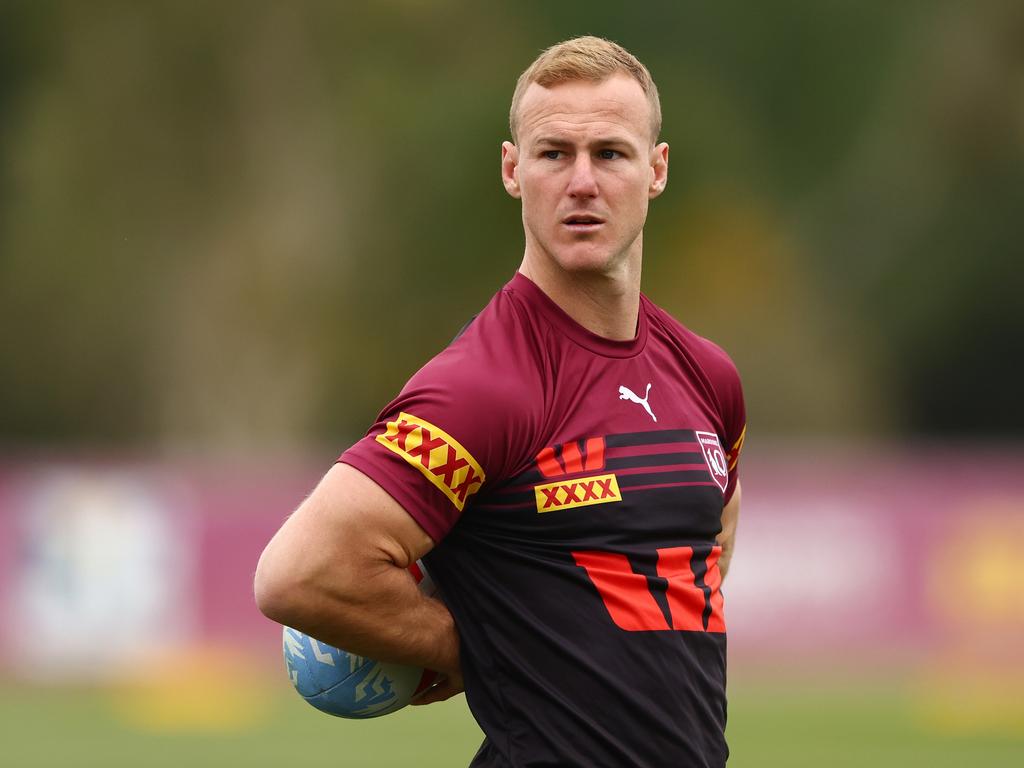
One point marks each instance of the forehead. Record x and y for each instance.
(617, 104)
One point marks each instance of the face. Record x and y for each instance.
(585, 167)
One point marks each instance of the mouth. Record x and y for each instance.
(582, 222)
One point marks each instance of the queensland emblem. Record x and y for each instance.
(437, 455)
(714, 456)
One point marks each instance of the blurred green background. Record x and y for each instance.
(770, 726)
(234, 229)
(246, 223)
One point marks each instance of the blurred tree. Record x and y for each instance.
(243, 225)
(919, 229)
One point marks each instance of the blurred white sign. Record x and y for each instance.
(823, 568)
(103, 574)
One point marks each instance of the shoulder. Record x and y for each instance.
(485, 389)
(496, 355)
(713, 360)
(712, 365)
(461, 421)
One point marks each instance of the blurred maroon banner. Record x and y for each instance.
(879, 552)
(841, 554)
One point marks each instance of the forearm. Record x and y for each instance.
(725, 558)
(727, 538)
(380, 614)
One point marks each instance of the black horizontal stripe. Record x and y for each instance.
(529, 477)
(656, 460)
(532, 476)
(508, 499)
(660, 478)
(652, 437)
(519, 498)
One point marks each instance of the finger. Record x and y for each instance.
(439, 692)
(435, 694)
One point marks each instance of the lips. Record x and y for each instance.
(582, 219)
(582, 223)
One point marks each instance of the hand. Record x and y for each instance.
(446, 686)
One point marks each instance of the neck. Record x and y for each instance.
(605, 303)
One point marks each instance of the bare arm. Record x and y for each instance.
(336, 570)
(727, 538)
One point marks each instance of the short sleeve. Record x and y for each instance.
(734, 419)
(729, 391)
(732, 411)
(448, 435)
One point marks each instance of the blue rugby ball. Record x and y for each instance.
(346, 685)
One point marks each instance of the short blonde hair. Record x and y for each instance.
(585, 58)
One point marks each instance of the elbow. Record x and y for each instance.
(298, 590)
(277, 591)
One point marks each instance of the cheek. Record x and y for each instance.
(535, 208)
(630, 192)
(536, 195)
(635, 212)
(529, 201)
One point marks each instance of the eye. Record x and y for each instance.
(552, 154)
(609, 154)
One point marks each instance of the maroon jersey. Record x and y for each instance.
(574, 487)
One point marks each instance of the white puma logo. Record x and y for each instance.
(625, 393)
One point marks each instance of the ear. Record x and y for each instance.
(510, 168)
(659, 168)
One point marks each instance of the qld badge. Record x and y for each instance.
(714, 457)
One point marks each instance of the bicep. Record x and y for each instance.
(347, 530)
(347, 506)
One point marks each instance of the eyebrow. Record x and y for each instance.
(552, 141)
(602, 142)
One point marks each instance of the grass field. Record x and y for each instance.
(770, 726)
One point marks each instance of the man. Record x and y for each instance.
(567, 467)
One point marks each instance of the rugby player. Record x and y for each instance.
(567, 468)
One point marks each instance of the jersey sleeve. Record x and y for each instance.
(734, 419)
(725, 380)
(448, 435)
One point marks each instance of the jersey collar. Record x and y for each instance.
(540, 302)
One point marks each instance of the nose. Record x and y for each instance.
(583, 183)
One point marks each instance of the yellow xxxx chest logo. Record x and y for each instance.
(437, 455)
(600, 489)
